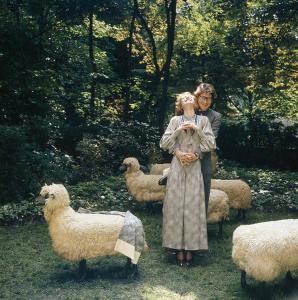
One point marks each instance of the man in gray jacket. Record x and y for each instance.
(204, 94)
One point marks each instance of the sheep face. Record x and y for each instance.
(55, 195)
(131, 165)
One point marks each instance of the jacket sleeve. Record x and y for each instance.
(168, 140)
(207, 137)
(215, 125)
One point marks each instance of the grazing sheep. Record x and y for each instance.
(266, 250)
(218, 208)
(238, 191)
(157, 169)
(143, 187)
(79, 236)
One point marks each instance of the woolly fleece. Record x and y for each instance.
(77, 236)
(238, 192)
(265, 250)
(141, 186)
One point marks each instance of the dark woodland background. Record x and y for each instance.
(84, 84)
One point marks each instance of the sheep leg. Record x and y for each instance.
(220, 230)
(131, 269)
(243, 279)
(149, 207)
(82, 269)
(243, 214)
(289, 276)
(239, 214)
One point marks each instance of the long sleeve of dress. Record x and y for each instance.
(207, 137)
(168, 140)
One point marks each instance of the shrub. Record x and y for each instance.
(271, 190)
(260, 142)
(103, 149)
(109, 194)
(25, 167)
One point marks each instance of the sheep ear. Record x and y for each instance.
(52, 196)
(45, 184)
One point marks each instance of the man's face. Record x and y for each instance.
(204, 101)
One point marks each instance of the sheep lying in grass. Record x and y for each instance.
(238, 191)
(266, 250)
(143, 187)
(79, 236)
(157, 169)
(218, 209)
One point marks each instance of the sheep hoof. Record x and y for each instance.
(82, 269)
(243, 280)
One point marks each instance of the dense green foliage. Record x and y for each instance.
(271, 190)
(263, 141)
(84, 84)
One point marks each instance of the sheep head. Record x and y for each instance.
(55, 196)
(131, 165)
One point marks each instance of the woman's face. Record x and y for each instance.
(187, 100)
(204, 101)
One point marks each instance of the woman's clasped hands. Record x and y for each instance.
(186, 158)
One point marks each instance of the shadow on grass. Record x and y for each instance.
(268, 291)
(94, 271)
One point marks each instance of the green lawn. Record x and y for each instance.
(30, 269)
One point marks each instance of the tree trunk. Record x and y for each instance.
(92, 66)
(171, 18)
(129, 68)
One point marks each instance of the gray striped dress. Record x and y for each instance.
(184, 215)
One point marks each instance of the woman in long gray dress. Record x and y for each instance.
(184, 215)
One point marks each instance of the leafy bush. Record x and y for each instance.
(20, 212)
(260, 142)
(25, 166)
(103, 149)
(110, 194)
(271, 190)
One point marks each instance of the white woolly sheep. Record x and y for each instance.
(79, 236)
(238, 191)
(143, 187)
(218, 208)
(157, 169)
(266, 250)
